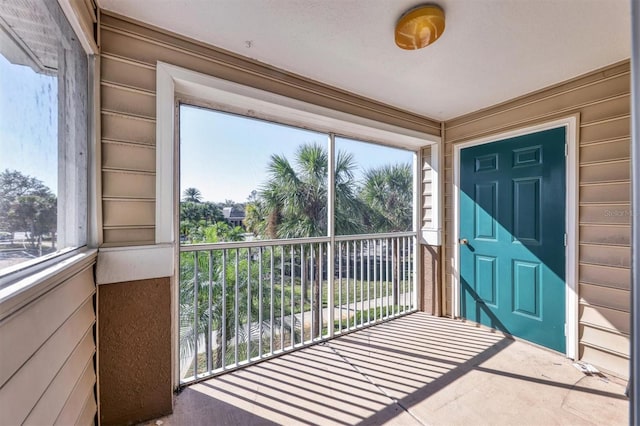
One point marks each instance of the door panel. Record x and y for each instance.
(486, 278)
(526, 288)
(512, 213)
(526, 210)
(485, 210)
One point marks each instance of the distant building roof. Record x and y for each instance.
(233, 213)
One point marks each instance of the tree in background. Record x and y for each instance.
(192, 195)
(294, 202)
(291, 203)
(255, 218)
(295, 195)
(196, 216)
(207, 313)
(27, 205)
(387, 193)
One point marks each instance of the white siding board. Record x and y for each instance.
(28, 329)
(54, 398)
(23, 390)
(76, 402)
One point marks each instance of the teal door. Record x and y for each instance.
(512, 236)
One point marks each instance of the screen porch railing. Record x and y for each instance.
(241, 302)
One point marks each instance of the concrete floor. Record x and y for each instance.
(414, 370)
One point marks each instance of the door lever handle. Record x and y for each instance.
(463, 241)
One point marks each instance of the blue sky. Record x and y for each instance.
(226, 156)
(29, 122)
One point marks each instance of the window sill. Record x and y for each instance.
(22, 288)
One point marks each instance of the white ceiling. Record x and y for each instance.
(491, 50)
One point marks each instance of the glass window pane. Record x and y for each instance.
(243, 178)
(43, 82)
(374, 188)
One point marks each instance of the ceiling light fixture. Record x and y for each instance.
(419, 27)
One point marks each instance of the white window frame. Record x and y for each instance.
(173, 82)
(25, 281)
(232, 97)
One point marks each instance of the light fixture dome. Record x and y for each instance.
(419, 27)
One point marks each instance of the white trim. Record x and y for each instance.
(249, 101)
(88, 44)
(234, 97)
(432, 235)
(571, 222)
(38, 280)
(633, 387)
(417, 190)
(12, 275)
(331, 217)
(417, 221)
(165, 122)
(120, 264)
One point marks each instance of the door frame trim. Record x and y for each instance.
(570, 123)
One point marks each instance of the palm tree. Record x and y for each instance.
(387, 191)
(192, 195)
(203, 313)
(255, 218)
(295, 196)
(295, 202)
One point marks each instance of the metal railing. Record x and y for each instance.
(240, 302)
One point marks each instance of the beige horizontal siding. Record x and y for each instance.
(607, 276)
(606, 130)
(127, 156)
(596, 338)
(605, 234)
(608, 255)
(128, 213)
(598, 83)
(606, 171)
(47, 356)
(114, 237)
(604, 213)
(605, 151)
(608, 297)
(128, 128)
(605, 318)
(604, 358)
(126, 72)
(123, 99)
(126, 184)
(617, 192)
(612, 107)
(129, 53)
(426, 187)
